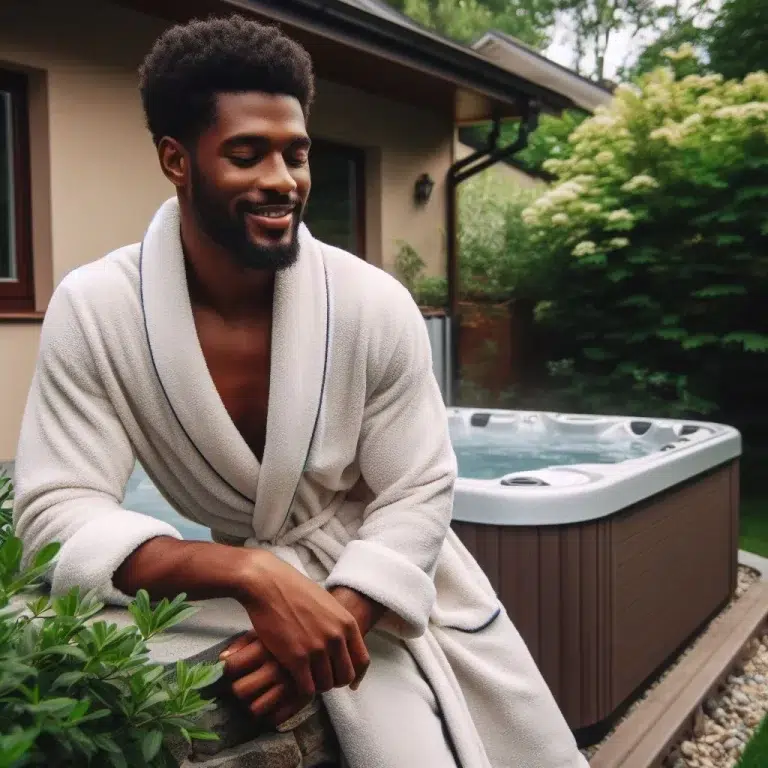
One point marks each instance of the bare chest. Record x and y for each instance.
(238, 359)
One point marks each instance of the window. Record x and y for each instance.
(336, 210)
(16, 287)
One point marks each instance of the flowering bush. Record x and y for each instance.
(659, 225)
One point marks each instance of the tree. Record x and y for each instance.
(659, 247)
(593, 23)
(530, 21)
(739, 38)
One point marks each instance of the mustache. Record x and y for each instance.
(261, 206)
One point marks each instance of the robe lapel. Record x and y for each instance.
(178, 358)
(300, 329)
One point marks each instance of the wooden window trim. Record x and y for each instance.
(357, 156)
(18, 296)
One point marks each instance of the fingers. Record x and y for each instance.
(359, 656)
(322, 672)
(246, 659)
(254, 685)
(238, 644)
(266, 703)
(343, 669)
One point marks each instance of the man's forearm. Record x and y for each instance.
(165, 567)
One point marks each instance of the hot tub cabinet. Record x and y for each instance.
(605, 591)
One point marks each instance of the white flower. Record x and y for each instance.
(621, 216)
(673, 133)
(640, 183)
(618, 242)
(591, 207)
(584, 248)
(702, 81)
(560, 218)
(530, 216)
(756, 109)
(604, 157)
(685, 51)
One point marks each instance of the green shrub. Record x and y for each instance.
(497, 259)
(76, 691)
(659, 239)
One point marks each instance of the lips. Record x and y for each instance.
(276, 217)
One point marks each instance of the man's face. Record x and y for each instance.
(250, 180)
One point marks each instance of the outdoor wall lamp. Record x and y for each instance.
(422, 189)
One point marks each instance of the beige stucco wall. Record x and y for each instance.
(95, 176)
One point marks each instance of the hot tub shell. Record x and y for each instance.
(621, 571)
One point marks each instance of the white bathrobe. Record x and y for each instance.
(355, 488)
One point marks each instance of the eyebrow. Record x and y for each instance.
(300, 142)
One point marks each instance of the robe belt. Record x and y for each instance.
(309, 534)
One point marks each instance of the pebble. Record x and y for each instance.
(727, 720)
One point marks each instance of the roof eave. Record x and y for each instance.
(346, 23)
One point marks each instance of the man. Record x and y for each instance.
(281, 392)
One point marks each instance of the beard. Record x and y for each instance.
(231, 231)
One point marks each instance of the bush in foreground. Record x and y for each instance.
(74, 691)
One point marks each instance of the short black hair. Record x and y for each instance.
(190, 63)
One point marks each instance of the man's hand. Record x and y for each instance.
(308, 632)
(261, 682)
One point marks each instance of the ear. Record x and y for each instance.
(174, 161)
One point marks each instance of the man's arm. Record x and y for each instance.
(407, 460)
(73, 463)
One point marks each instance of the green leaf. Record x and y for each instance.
(595, 353)
(200, 735)
(46, 554)
(751, 342)
(671, 334)
(61, 707)
(66, 679)
(150, 744)
(16, 744)
(716, 291)
(700, 340)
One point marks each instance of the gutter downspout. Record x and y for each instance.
(460, 171)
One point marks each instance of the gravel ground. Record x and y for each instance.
(727, 720)
(696, 753)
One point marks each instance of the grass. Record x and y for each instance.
(756, 752)
(754, 527)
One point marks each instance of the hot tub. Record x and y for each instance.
(610, 540)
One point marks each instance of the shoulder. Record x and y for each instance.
(93, 301)
(109, 282)
(369, 293)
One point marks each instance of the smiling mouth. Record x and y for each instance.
(273, 217)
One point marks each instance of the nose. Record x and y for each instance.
(275, 175)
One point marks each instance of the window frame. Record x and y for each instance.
(19, 295)
(357, 156)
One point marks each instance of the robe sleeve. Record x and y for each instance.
(74, 460)
(407, 460)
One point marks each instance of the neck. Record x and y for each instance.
(218, 282)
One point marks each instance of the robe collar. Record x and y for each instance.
(299, 356)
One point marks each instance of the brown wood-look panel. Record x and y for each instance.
(735, 522)
(605, 604)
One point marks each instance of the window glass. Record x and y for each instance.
(7, 213)
(335, 211)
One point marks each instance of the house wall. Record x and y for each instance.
(95, 180)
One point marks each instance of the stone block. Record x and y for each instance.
(277, 750)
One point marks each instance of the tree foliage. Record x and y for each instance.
(658, 236)
(465, 20)
(75, 690)
(739, 38)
